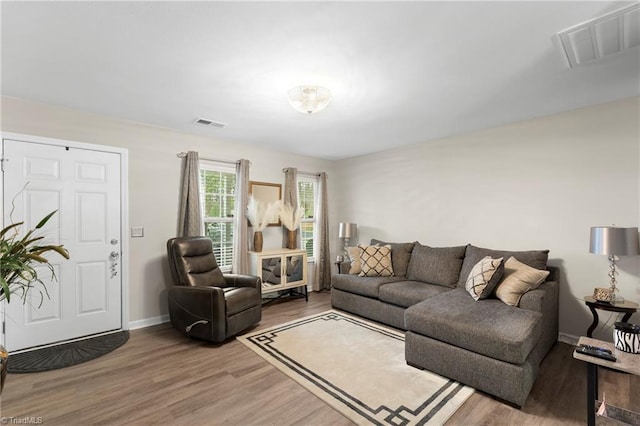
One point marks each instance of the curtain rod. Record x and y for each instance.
(184, 154)
(300, 172)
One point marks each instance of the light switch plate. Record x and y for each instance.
(137, 231)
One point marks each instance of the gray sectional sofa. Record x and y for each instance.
(487, 344)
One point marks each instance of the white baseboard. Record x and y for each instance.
(148, 322)
(569, 339)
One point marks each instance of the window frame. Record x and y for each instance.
(312, 179)
(214, 166)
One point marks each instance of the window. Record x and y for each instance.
(218, 196)
(307, 189)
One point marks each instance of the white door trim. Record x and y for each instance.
(124, 211)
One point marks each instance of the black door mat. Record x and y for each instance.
(66, 354)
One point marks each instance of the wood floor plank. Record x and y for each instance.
(162, 377)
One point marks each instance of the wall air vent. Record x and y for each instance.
(603, 36)
(210, 123)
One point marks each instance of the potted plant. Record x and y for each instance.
(19, 257)
(260, 215)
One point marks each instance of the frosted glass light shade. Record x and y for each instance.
(309, 99)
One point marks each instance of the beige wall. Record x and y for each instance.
(154, 173)
(537, 184)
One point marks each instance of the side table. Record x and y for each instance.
(626, 362)
(626, 307)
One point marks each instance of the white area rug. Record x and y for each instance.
(358, 368)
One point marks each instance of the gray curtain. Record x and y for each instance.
(241, 233)
(189, 214)
(323, 264)
(290, 196)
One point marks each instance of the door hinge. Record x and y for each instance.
(4, 327)
(2, 160)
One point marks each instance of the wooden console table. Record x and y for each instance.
(626, 362)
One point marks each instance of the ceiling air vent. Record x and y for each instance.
(210, 123)
(603, 36)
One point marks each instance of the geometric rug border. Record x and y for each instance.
(336, 397)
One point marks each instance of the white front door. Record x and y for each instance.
(84, 186)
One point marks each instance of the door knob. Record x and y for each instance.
(115, 255)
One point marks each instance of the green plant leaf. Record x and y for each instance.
(45, 219)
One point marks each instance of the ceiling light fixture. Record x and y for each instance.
(309, 99)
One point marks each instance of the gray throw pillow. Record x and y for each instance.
(400, 255)
(436, 265)
(535, 258)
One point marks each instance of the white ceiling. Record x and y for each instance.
(400, 72)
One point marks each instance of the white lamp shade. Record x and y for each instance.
(309, 99)
(347, 230)
(611, 240)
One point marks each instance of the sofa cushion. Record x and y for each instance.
(484, 277)
(407, 293)
(436, 265)
(534, 258)
(488, 327)
(400, 255)
(364, 286)
(354, 257)
(518, 279)
(376, 261)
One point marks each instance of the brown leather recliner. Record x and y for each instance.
(204, 303)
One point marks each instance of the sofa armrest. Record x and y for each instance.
(542, 299)
(240, 280)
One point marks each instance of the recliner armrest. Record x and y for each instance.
(240, 280)
(200, 301)
(199, 311)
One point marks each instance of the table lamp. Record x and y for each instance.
(614, 241)
(347, 231)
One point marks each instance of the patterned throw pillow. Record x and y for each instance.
(376, 261)
(354, 257)
(518, 279)
(484, 277)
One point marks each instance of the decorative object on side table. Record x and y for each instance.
(291, 218)
(19, 258)
(259, 215)
(613, 241)
(626, 337)
(346, 231)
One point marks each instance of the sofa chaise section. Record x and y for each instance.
(487, 344)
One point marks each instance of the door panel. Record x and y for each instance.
(83, 185)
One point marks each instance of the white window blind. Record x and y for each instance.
(218, 196)
(307, 192)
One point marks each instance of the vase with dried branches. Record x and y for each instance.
(291, 218)
(260, 214)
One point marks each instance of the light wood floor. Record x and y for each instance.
(162, 377)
